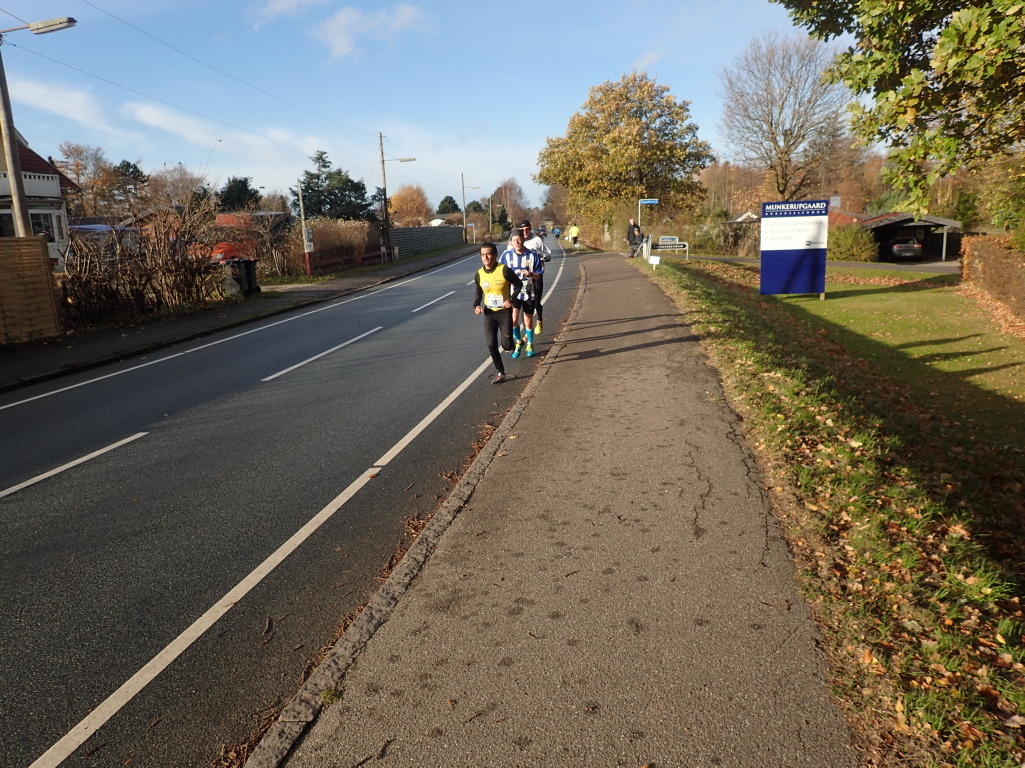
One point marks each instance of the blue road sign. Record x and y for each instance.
(649, 201)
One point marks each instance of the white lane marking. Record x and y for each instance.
(328, 352)
(78, 735)
(411, 435)
(434, 302)
(70, 464)
(232, 338)
(472, 281)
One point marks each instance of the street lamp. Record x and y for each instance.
(386, 245)
(19, 204)
(463, 185)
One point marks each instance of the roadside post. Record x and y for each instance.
(644, 201)
(307, 231)
(793, 247)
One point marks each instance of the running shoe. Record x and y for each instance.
(499, 378)
(530, 350)
(516, 352)
(537, 328)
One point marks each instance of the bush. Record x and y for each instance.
(130, 274)
(333, 239)
(852, 243)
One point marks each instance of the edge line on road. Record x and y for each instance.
(78, 735)
(433, 302)
(328, 352)
(70, 464)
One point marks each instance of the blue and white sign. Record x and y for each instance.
(648, 201)
(794, 239)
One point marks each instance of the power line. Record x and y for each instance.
(221, 71)
(13, 16)
(169, 104)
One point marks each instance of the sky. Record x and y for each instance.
(254, 87)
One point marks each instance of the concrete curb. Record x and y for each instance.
(305, 706)
(147, 348)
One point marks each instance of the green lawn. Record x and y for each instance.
(931, 338)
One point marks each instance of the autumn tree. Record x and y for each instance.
(731, 189)
(177, 187)
(448, 204)
(513, 200)
(837, 164)
(776, 102)
(408, 206)
(554, 204)
(631, 139)
(946, 80)
(332, 193)
(90, 169)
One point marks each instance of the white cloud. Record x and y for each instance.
(74, 104)
(642, 63)
(272, 160)
(274, 8)
(342, 30)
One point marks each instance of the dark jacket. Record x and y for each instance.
(633, 234)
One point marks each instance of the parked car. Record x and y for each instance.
(905, 248)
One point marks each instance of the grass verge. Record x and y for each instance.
(903, 515)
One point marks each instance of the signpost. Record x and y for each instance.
(645, 201)
(794, 247)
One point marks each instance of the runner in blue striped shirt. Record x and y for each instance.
(527, 265)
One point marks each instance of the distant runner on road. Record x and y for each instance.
(494, 285)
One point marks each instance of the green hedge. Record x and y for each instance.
(852, 243)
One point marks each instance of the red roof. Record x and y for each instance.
(33, 163)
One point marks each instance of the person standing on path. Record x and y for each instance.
(634, 237)
(574, 233)
(533, 241)
(527, 265)
(494, 285)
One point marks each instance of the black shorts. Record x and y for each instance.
(527, 306)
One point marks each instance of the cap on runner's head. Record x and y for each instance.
(523, 225)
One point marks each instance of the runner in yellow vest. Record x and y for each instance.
(574, 233)
(495, 285)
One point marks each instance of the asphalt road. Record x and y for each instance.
(231, 451)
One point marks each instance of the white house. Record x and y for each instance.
(44, 186)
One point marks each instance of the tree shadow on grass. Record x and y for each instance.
(964, 443)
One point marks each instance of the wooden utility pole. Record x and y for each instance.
(386, 232)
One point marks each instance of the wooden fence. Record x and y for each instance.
(28, 307)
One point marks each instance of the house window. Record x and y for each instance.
(6, 225)
(42, 224)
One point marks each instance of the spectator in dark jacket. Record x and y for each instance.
(634, 237)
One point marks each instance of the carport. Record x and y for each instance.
(941, 238)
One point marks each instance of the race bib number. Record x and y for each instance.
(491, 301)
